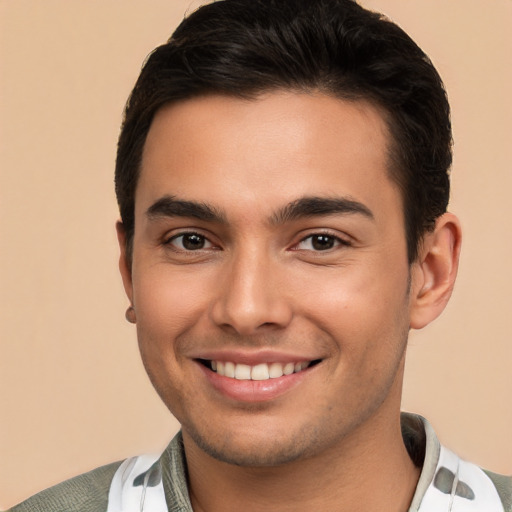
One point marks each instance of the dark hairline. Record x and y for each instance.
(360, 55)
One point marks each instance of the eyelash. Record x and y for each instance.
(169, 241)
(335, 240)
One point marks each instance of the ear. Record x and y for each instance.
(124, 261)
(434, 272)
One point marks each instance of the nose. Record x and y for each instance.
(251, 296)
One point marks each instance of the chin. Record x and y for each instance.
(259, 448)
(249, 454)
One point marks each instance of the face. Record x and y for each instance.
(269, 274)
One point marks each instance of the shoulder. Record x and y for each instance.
(503, 486)
(84, 493)
(448, 482)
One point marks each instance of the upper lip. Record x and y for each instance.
(253, 358)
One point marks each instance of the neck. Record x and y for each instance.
(370, 470)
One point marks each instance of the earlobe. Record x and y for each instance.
(124, 261)
(434, 272)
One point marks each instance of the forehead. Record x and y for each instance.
(276, 147)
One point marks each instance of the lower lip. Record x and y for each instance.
(254, 390)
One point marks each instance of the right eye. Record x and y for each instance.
(189, 242)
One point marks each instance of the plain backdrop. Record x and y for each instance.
(73, 393)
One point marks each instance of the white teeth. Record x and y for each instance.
(288, 368)
(242, 372)
(229, 369)
(262, 371)
(275, 370)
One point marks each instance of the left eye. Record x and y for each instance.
(190, 242)
(319, 242)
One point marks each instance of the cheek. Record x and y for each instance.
(360, 304)
(168, 302)
(354, 288)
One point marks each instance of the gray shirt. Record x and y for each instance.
(158, 483)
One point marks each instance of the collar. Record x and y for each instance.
(158, 483)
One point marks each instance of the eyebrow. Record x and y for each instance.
(304, 207)
(169, 206)
(320, 206)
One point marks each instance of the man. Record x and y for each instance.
(282, 177)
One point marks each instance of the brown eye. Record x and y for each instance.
(322, 242)
(190, 242)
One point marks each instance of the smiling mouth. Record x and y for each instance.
(262, 371)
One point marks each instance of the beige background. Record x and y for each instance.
(73, 394)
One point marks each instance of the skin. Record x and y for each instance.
(259, 280)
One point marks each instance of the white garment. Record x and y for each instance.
(446, 484)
